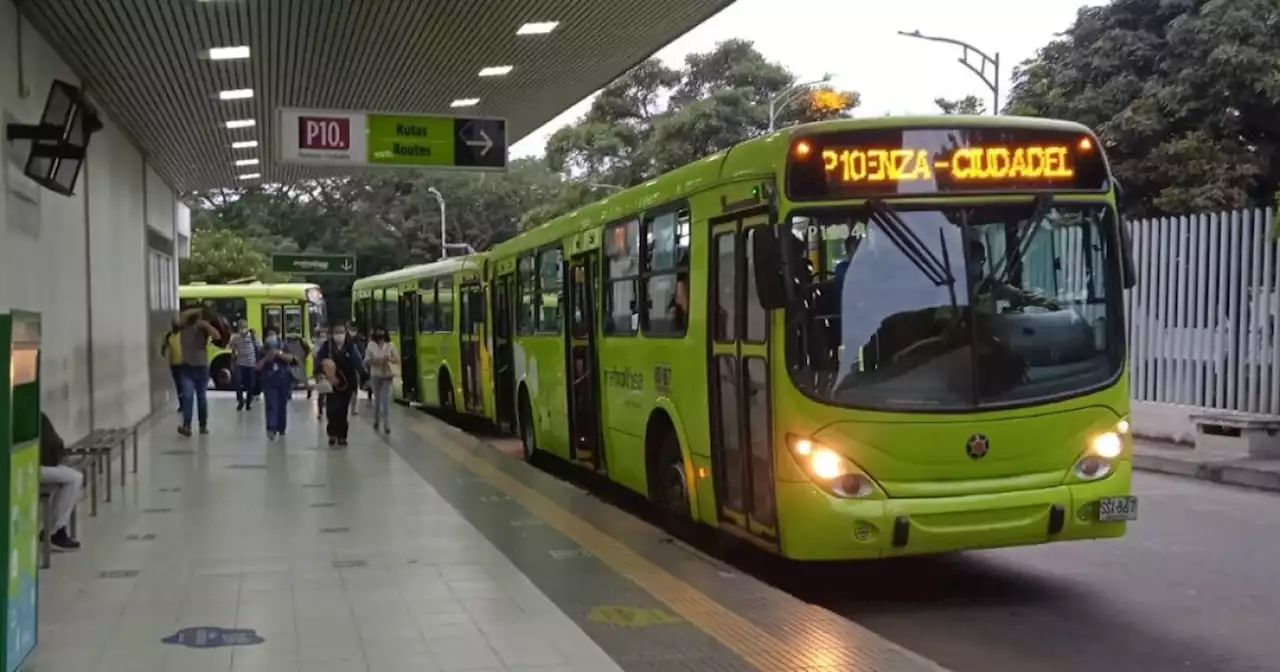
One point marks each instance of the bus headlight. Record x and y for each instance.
(1103, 448)
(830, 469)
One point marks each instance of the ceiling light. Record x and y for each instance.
(241, 123)
(244, 144)
(226, 53)
(537, 28)
(236, 94)
(247, 162)
(250, 176)
(496, 70)
(464, 102)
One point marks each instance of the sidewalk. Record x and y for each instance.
(1206, 465)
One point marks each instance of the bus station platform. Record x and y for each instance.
(428, 550)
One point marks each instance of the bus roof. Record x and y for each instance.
(431, 270)
(282, 290)
(759, 157)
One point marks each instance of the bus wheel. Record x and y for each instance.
(670, 484)
(528, 438)
(220, 374)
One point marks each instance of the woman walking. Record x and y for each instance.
(339, 361)
(277, 383)
(381, 358)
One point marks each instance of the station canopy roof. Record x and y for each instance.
(147, 64)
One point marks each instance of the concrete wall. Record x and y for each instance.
(83, 261)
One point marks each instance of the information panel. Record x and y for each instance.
(923, 161)
(356, 139)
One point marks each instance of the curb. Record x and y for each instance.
(1226, 473)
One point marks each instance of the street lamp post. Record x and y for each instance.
(992, 82)
(444, 247)
(785, 96)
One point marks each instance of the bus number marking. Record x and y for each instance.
(662, 378)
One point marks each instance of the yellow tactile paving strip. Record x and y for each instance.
(857, 650)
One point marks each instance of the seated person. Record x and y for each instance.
(68, 479)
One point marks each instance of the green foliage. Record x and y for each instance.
(654, 119)
(1183, 93)
(220, 256)
(966, 105)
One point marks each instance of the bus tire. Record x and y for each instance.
(668, 482)
(221, 374)
(447, 405)
(528, 436)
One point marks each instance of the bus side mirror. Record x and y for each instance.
(766, 258)
(1128, 270)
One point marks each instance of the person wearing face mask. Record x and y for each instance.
(245, 346)
(273, 366)
(322, 337)
(382, 358)
(339, 361)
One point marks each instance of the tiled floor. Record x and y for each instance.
(337, 560)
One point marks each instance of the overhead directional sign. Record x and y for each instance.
(314, 264)
(345, 138)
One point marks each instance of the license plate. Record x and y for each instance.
(1111, 509)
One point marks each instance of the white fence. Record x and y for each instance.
(1202, 319)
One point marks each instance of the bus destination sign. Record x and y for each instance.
(882, 162)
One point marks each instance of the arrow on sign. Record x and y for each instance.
(346, 264)
(485, 141)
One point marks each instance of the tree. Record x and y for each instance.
(1183, 94)
(966, 105)
(220, 256)
(718, 99)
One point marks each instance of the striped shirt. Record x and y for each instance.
(246, 347)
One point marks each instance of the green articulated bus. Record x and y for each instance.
(846, 340)
(293, 309)
(434, 313)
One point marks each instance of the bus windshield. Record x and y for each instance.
(951, 308)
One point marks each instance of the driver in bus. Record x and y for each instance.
(989, 290)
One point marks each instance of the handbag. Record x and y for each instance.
(323, 386)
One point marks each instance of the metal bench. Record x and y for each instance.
(100, 443)
(1249, 434)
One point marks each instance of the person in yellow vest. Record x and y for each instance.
(171, 349)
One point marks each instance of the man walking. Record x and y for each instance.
(245, 347)
(197, 331)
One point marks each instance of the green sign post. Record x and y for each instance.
(314, 264)
(20, 469)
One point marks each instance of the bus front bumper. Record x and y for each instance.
(818, 526)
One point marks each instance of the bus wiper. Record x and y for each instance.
(937, 271)
(1022, 244)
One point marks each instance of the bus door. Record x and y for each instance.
(408, 307)
(739, 388)
(582, 367)
(504, 367)
(470, 341)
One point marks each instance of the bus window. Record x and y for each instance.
(271, 319)
(622, 249)
(527, 281)
(317, 314)
(666, 273)
(427, 311)
(444, 305)
(549, 291)
(292, 320)
(390, 314)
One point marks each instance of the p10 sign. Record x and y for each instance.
(322, 137)
(324, 133)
